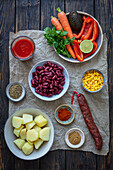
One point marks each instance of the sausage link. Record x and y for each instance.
(89, 121)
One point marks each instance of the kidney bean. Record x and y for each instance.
(60, 87)
(41, 93)
(51, 90)
(53, 72)
(39, 68)
(45, 87)
(47, 80)
(54, 77)
(59, 78)
(46, 69)
(40, 86)
(44, 90)
(52, 64)
(41, 71)
(59, 91)
(50, 74)
(56, 84)
(55, 69)
(62, 83)
(51, 86)
(55, 65)
(36, 77)
(62, 75)
(33, 74)
(45, 84)
(53, 83)
(45, 94)
(49, 63)
(61, 68)
(63, 79)
(58, 72)
(40, 80)
(50, 69)
(49, 94)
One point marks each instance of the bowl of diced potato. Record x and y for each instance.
(29, 133)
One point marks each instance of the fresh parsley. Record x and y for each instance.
(54, 38)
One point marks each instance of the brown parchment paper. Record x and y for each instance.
(98, 103)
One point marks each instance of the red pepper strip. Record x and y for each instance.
(95, 46)
(95, 31)
(88, 30)
(88, 22)
(77, 50)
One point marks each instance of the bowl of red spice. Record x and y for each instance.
(64, 114)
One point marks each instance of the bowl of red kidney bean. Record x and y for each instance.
(48, 80)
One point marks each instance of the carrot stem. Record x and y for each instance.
(58, 9)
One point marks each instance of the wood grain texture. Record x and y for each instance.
(48, 9)
(6, 25)
(18, 15)
(103, 13)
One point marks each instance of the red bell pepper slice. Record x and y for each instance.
(95, 31)
(77, 50)
(95, 46)
(87, 28)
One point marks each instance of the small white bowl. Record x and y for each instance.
(82, 138)
(99, 41)
(23, 92)
(54, 97)
(10, 137)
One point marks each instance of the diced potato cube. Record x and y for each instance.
(38, 143)
(29, 141)
(27, 118)
(40, 121)
(27, 148)
(17, 131)
(38, 129)
(32, 135)
(30, 125)
(45, 133)
(19, 143)
(17, 122)
(23, 133)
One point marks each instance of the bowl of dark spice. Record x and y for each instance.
(64, 114)
(15, 91)
(74, 138)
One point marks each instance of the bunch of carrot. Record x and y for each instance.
(74, 50)
(64, 24)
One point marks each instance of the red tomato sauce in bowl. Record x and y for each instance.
(23, 48)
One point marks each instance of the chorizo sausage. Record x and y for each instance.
(89, 120)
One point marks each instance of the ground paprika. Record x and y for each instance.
(64, 114)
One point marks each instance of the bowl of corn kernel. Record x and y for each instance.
(93, 80)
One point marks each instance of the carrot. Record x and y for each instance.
(65, 24)
(66, 27)
(58, 26)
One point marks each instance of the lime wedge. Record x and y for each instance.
(86, 46)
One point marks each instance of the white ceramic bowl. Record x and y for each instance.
(99, 41)
(54, 97)
(82, 138)
(10, 137)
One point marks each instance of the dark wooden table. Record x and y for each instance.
(18, 15)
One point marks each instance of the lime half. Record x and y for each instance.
(86, 46)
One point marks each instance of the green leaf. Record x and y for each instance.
(47, 30)
(64, 33)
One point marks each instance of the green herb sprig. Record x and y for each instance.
(55, 38)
